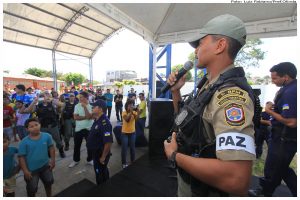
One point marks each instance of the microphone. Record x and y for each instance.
(186, 67)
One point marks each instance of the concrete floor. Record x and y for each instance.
(65, 176)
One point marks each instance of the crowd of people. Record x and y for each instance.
(34, 119)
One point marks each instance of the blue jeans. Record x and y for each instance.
(128, 139)
(140, 126)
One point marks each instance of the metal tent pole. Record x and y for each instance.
(154, 57)
(91, 70)
(54, 70)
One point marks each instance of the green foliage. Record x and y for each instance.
(96, 82)
(118, 84)
(192, 57)
(130, 82)
(177, 67)
(250, 54)
(35, 71)
(77, 78)
(200, 74)
(43, 73)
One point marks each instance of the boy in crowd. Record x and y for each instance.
(8, 119)
(10, 167)
(34, 158)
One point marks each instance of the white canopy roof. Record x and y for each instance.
(166, 23)
(69, 28)
(80, 29)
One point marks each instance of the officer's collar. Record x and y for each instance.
(209, 83)
(290, 83)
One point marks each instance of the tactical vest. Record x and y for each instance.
(46, 115)
(69, 110)
(192, 137)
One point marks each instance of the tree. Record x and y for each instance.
(250, 54)
(118, 84)
(130, 82)
(35, 71)
(177, 67)
(59, 75)
(267, 79)
(76, 78)
(192, 57)
(95, 82)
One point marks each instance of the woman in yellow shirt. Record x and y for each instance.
(129, 117)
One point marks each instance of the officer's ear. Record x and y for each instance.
(221, 45)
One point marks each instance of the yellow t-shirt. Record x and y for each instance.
(142, 106)
(128, 127)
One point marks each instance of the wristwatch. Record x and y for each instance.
(172, 159)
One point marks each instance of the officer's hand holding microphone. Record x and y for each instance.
(171, 144)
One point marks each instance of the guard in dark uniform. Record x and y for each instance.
(283, 143)
(100, 140)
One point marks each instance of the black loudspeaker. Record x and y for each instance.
(159, 85)
(161, 119)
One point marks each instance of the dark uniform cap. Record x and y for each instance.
(100, 103)
(227, 25)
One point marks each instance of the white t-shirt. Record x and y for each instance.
(83, 124)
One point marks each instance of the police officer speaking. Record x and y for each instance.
(100, 140)
(283, 143)
(213, 147)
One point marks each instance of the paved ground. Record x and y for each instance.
(65, 176)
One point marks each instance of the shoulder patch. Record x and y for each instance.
(231, 98)
(234, 114)
(107, 134)
(231, 95)
(231, 92)
(285, 107)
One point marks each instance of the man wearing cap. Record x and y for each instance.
(213, 147)
(283, 142)
(100, 140)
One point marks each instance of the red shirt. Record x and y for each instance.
(7, 110)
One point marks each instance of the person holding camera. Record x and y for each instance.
(214, 145)
(128, 132)
(118, 99)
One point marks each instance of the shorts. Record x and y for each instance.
(9, 131)
(45, 174)
(10, 184)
